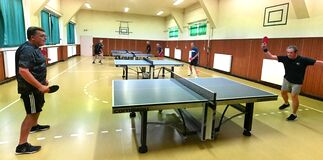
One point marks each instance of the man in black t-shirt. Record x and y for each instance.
(148, 48)
(295, 67)
(98, 52)
(32, 84)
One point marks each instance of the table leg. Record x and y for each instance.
(143, 135)
(248, 119)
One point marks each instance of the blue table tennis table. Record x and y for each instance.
(152, 64)
(125, 54)
(179, 93)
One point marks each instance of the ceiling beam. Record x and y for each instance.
(210, 8)
(300, 9)
(70, 8)
(179, 19)
(37, 6)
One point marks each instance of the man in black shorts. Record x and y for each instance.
(32, 84)
(295, 67)
(98, 52)
(194, 59)
(148, 48)
(160, 51)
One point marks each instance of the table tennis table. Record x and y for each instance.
(152, 64)
(180, 93)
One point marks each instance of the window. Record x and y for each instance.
(173, 32)
(50, 24)
(70, 33)
(12, 23)
(198, 28)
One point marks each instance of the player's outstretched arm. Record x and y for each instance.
(267, 52)
(319, 62)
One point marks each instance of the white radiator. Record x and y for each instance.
(167, 52)
(178, 54)
(272, 71)
(9, 63)
(52, 54)
(222, 62)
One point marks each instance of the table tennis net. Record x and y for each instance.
(196, 88)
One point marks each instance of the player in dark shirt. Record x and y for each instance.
(148, 48)
(194, 59)
(32, 84)
(160, 51)
(98, 52)
(295, 67)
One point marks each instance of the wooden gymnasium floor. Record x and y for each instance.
(84, 128)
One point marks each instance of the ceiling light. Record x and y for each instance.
(177, 2)
(87, 5)
(126, 9)
(160, 13)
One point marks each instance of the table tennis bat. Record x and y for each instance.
(265, 40)
(53, 88)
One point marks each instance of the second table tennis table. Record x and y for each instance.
(180, 93)
(126, 64)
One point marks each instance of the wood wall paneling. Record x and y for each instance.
(63, 52)
(78, 49)
(172, 46)
(2, 69)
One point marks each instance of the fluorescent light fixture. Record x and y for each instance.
(126, 9)
(87, 5)
(177, 2)
(160, 13)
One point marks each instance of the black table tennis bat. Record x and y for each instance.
(53, 88)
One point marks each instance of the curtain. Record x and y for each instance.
(202, 29)
(55, 30)
(70, 33)
(12, 23)
(193, 30)
(45, 25)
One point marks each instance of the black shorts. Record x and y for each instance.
(96, 53)
(33, 101)
(194, 62)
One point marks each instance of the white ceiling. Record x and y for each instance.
(143, 7)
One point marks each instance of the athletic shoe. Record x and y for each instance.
(93, 62)
(27, 148)
(291, 117)
(284, 106)
(38, 128)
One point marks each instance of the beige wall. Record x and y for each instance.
(244, 19)
(105, 24)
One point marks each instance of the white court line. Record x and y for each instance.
(41, 138)
(57, 137)
(6, 107)
(9, 105)
(103, 132)
(5, 142)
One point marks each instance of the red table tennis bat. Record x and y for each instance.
(53, 88)
(265, 40)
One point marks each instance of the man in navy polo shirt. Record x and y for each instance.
(32, 84)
